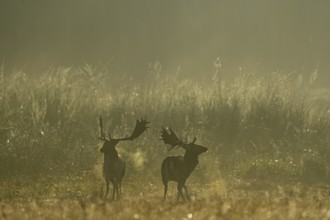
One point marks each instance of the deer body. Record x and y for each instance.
(114, 167)
(179, 168)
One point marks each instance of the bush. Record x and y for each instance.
(49, 123)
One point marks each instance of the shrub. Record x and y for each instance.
(49, 122)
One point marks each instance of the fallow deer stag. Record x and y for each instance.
(178, 168)
(114, 166)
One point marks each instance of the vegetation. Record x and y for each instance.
(261, 132)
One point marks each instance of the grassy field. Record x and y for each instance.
(76, 198)
(80, 197)
(249, 207)
(268, 140)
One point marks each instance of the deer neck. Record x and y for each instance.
(190, 161)
(110, 157)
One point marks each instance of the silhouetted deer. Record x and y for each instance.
(113, 166)
(178, 168)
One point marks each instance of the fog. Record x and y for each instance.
(126, 36)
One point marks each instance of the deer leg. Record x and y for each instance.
(165, 190)
(107, 182)
(115, 184)
(113, 190)
(185, 189)
(180, 192)
(101, 190)
(119, 186)
(117, 190)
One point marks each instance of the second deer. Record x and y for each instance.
(178, 168)
(114, 166)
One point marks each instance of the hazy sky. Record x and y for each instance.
(261, 35)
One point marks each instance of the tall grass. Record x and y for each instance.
(254, 127)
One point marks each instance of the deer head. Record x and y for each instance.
(169, 137)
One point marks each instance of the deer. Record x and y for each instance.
(114, 167)
(179, 168)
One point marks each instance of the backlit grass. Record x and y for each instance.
(269, 145)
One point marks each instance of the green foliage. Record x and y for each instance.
(49, 123)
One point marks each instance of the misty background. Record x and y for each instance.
(236, 74)
(186, 36)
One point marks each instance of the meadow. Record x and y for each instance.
(268, 138)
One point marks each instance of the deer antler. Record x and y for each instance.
(102, 137)
(140, 127)
(170, 138)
